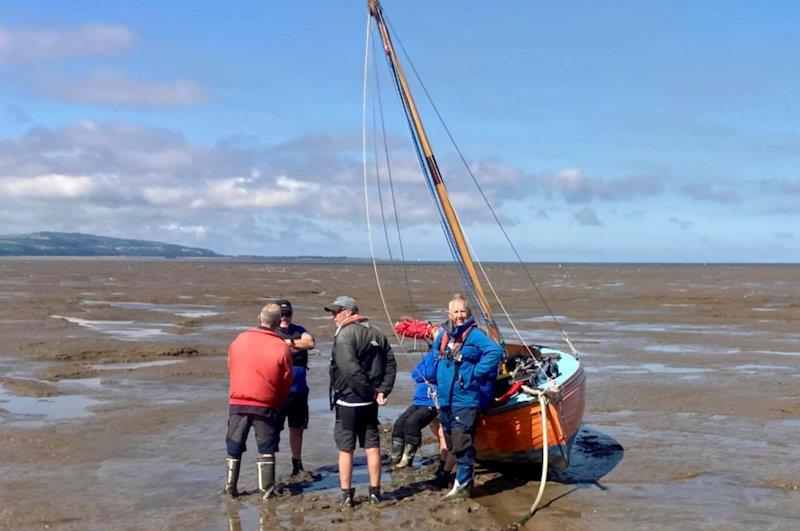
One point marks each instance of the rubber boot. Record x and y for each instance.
(348, 498)
(462, 486)
(408, 456)
(266, 476)
(375, 494)
(440, 476)
(232, 477)
(396, 453)
(297, 467)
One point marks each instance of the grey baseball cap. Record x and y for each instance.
(341, 303)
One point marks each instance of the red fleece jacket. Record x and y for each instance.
(260, 366)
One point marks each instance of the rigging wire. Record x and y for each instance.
(485, 198)
(380, 193)
(364, 169)
(550, 381)
(449, 237)
(460, 267)
(389, 174)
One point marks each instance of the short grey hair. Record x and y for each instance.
(270, 315)
(461, 298)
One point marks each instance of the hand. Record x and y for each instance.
(380, 398)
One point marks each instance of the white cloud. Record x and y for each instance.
(240, 192)
(576, 187)
(166, 196)
(197, 231)
(46, 187)
(118, 89)
(27, 45)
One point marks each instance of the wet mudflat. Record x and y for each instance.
(113, 390)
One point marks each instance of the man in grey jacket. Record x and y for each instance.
(362, 375)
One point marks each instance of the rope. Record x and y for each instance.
(551, 382)
(540, 396)
(364, 168)
(461, 268)
(379, 187)
(486, 200)
(389, 174)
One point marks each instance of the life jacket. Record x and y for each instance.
(458, 341)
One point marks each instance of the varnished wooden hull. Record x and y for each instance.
(512, 433)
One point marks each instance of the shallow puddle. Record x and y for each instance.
(139, 365)
(647, 368)
(182, 310)
(123, 330)
(37, 412)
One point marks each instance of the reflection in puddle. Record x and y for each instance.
(123, 330)
(779, 353)
(647, 368)
(35, 412)
(691, 349)
(182, 310)
(753, 368)
(139, 365)
(92, 383)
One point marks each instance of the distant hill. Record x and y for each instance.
(76, 244)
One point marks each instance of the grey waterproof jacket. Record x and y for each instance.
(362, 363)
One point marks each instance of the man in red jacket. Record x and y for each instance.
(260, 366)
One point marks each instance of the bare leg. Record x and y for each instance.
(374, 466)
(296, 441)
(448, 458)
(346, 468)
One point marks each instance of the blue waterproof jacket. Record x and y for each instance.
(469, 382)
(425, 370)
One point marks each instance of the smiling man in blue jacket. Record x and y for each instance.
(467, 366)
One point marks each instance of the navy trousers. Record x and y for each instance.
(459, 432)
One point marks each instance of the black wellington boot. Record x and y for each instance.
(266, 476)
(232, 477)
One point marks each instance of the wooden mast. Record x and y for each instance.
(433, 168)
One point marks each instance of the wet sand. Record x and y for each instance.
(113, 389)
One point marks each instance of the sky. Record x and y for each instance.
(598, 131)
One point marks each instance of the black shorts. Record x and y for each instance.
(296, 411)
(360, 422)
(266, 426)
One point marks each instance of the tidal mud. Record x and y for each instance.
(692, 418)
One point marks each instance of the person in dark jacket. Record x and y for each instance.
(467, 366)
(260, 367)
(362, 374)
(296, 408)
(407, 431)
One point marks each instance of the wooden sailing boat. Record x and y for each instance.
(541, 414)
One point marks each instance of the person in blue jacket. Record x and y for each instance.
(407, 431)
(468, 362)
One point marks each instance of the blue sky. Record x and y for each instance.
(601, 131)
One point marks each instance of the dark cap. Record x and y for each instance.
(286, 306)
(342, 303)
